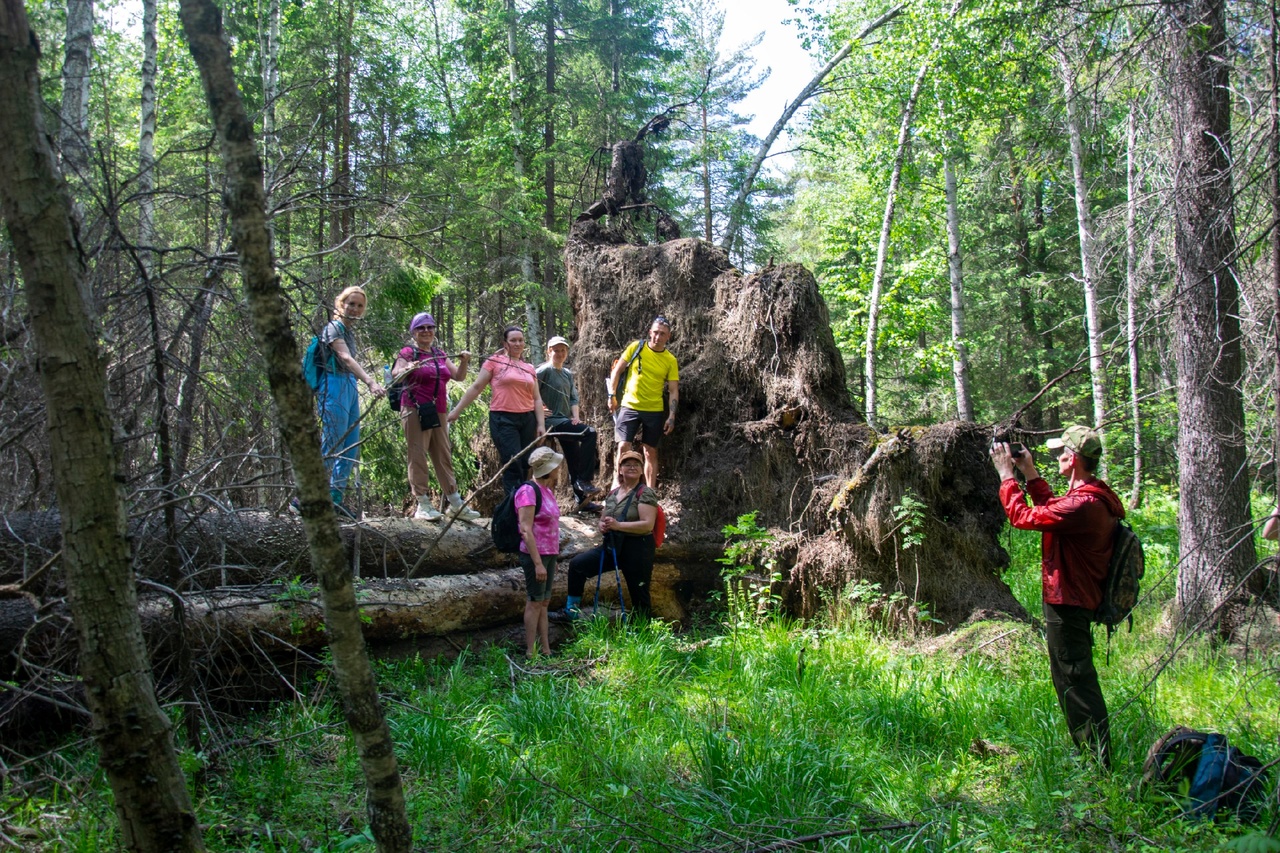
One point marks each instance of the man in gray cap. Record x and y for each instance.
(577, 440)
(1077, 531)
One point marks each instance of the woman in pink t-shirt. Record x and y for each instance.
(539, 517)
(515, 412)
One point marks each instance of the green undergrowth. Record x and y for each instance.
(643, 739)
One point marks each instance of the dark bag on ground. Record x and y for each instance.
(1205, 774)
(505, 526)
(1124, 574)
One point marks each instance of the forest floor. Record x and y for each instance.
(739, 735)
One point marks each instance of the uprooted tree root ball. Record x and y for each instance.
(766, 423)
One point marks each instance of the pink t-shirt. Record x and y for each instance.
(546, 524)
(513, 384)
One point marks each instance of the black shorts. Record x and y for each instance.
(648, 424)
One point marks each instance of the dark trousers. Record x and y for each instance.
(512, 432)
(635, 560)
(581, 456)
(1070, 640)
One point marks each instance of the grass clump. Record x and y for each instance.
(764, 731)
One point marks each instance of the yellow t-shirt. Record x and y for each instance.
(647, 377)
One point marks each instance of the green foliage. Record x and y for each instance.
(750, 572)
(774, 731)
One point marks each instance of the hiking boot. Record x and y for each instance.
(570, 613)
(587, 507)
(462, 512)
(426, 512)
(585, 490)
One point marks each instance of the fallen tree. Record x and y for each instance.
(235, 549)
(766, 424)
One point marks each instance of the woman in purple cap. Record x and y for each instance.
(423, 371)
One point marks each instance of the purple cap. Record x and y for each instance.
(420, 320)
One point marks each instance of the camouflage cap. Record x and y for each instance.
(1078, 439)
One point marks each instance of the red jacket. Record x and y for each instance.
(1078, 530)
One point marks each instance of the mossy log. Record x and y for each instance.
(282, 618)
(235, 549)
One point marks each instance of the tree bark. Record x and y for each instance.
(1088, 254)
(737, 211)
(960, 358)
(245, 198)
(131, 731)
(73, 133)
(1216, 541)
(532, 317)
(1273, 157)
(882, 249)
(1131, 296)
(259, 547)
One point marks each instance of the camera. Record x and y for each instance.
(1016, 448)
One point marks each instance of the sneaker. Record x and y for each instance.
(295, 506)
(426, 512)
(463, 512)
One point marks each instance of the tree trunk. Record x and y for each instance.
(882, 249)
(73, 133)
(549, 164)
(1273, 157)
(737, 211)
(960, 359)
(1216, 541)
(1088, 255)
(532, 317)
(245, 197)
(147, 140)
(259, 547)
(131, 731)
(706, 174)
(1131, 296)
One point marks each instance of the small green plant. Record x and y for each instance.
(750, 572)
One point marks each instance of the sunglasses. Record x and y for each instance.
(424, 329)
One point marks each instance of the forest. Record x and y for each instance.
(991, 220)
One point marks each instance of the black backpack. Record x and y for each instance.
(505, 526)
(1206, 774)
(1124, 573)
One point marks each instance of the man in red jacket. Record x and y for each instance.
(1076, 540)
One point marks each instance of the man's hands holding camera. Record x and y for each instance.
(1007, 456)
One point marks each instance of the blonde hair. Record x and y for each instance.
(342, 297)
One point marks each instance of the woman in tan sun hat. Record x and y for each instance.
(539, 517)
(630, 512)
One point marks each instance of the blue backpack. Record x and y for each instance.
(313, 367)
(1205, 774)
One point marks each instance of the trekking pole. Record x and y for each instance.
(617, 576)
(595, 605)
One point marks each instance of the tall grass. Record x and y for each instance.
(643, 739)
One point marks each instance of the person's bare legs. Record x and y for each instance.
(650, 465)
(544, 629)
(534, 612)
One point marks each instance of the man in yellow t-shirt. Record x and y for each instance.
(646, 374)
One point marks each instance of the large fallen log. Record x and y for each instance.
(287, 617)
(243, 548)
